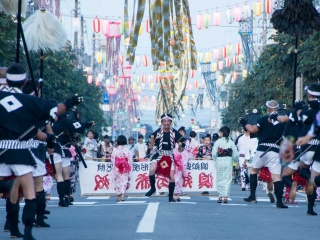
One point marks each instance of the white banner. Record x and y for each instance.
(97, 178)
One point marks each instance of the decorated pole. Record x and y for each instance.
(18, 32)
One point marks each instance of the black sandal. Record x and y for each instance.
(219, 200)
(178, 200)
(225, 200)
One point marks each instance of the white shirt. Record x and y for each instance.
(243, 145)
(141, 148)
(131, 148)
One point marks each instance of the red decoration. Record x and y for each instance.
(143, 181)
(145, 60)
(228, 62)
(192, 73)
(148, 25)
(268, 6)
(205, 180)
(96, 25)
(101, 182)
(143, 78)
(265, 175)
(187, 181)
(164, 166)
(224, 52)
(234, 60)
(157, 78)
(238, 48)
(162, 182)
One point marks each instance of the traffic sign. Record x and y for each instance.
(200, 130)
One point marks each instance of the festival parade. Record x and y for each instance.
(159, 119)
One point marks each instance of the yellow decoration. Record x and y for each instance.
(134, 85)
(220, 79)
(208, 57)
(257, 8)
(214, 67)
(151, 86)
(99, 57)
(244, 73)
(139, 89)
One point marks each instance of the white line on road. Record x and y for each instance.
(184, 202)
(84, 203)
(234, 204)
(146, 224)
(98, 198)
(185, 197)
(138, 197)
(130, 202)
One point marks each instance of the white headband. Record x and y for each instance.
(267, 104)
(166, 116)
(3, 81)
(16, 77)
(313, 93)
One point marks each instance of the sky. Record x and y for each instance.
(205, 40)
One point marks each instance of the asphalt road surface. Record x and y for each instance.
(196, 217)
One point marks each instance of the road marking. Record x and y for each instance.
(234, 204)
(184, 197)
(146, 224)
(84, 203)
(216, 199)
(138, 197)
(130, 202)
(301, 194)
(184, 202)
(268, 200)
(98, 198)
(54, 198)
(287, 205)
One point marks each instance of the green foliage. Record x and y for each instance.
(61, 79)
(272, 78)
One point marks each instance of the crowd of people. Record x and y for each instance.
(40, 144)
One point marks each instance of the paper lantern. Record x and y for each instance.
(234, 76)
(112, 90)
(268, 6)
(148, 25)
(89, 78)
(207, 19)
(97, 83)
(146, 98)
(220, 65)
(238, 48)
(229, 49)
(196, 84)
(139, 98)
(130, 26)
(214, 67)
(240, 57)
(237, 14)
(137, 79)
(157, 78)
(257, 8)
(246, 11)
(99, 57)
(192, 73)
(199, 21)
(105, 27)
(220, 79)
(200, 57)
(96, 25)
(143, 78)
(244, 73)
(151, 86)
(139, 89)
(76, 24)
(134, 85)
(216, 54)
(224, 52)
(150, 78)
(153, 98)
(216, 18)
(234, 60)
(145, 60)
(229, 17)
(137, 60)
(189, 87)
(228, 62)
(208, 57)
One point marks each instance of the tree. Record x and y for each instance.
(272, 78)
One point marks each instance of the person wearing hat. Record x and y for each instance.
(305, 119)
(162, 160)
(140, 149)
(3, 80)
(270, 134)
(131, 146)
(20, 115)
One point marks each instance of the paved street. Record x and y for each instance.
(196, 217)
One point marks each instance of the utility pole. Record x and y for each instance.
(93, 52)
(75, 47)
(82, 43)
(264, 27)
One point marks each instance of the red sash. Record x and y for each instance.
(122, 165)
(265, 175)
(164, 166)
(178, 162)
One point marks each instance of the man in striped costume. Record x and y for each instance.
(162, 160)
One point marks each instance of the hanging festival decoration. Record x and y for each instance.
(220, 65)
(216, 54)
(151, 85)
(235, 60)
(207, 57)
(137, 61)
(145, 61)
(237, 14)
(96, 25)
(244, 73)
(268, 6)
(200, 57)
(257, 8)
(246, 11)
(214, 67)
(224, 52)
(207, 20)
(229, 49)
(148, 25)
(216, 18)
(150, 78)
(192, 73)
(234, 76)
(143, 78)
(169, 23)
(228, 62)
(89, 79)
(238, 48)
(200, 21)
(229, 16)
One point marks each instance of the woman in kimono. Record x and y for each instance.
(90, 146)
(224, 153)
(122, 160)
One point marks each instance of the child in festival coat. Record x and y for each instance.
(122, 160)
